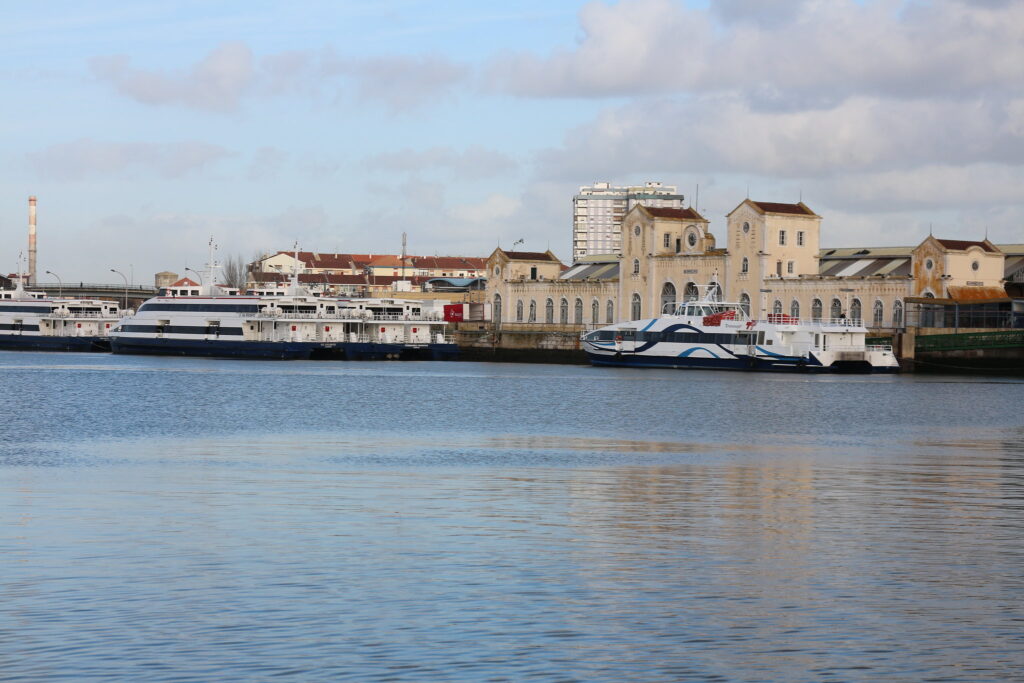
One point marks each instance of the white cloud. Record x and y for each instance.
(222, 79)
(727, 134)
(86, 158)
(809, 52)
(400, 83)
(216, 83)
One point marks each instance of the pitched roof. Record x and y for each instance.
(529, 256)
(963, 245)
(800, 209)
(386, 260)
(184, 282)
(450, 262)
(676, 214)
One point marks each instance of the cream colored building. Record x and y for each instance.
(772, 263)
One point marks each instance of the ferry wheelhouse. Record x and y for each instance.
(33, 321)
(717, 335)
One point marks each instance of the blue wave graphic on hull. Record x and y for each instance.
(687, 352)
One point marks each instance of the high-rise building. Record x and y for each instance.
(598, 210)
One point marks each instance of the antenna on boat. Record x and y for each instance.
(211, 267)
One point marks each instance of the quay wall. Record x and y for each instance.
(552, 344)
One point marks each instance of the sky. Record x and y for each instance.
(145, 129)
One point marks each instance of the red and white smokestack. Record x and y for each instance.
(32, 240)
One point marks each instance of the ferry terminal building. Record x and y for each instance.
(772, 262)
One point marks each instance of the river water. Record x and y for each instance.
(194, 519)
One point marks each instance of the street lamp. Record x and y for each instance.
(125, 287)
(196, 273)
(60, 284)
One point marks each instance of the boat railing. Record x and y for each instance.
(781, 319)
(850, 347)
(406, 317)
(73, 315)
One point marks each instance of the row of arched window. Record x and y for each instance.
(836, 310)
(668, 297)
(563, 311)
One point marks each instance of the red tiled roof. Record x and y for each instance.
(530, 256)
(776, 207)
(963, 245)
(450, 262)
(679, 214)
(184, 282)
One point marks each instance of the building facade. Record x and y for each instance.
(771, 263)
(599, 209)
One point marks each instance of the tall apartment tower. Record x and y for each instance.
(598, 210)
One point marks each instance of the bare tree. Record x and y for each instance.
(235, 271)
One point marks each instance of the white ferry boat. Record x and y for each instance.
(719, 335)
(33, 321)
(291, 324)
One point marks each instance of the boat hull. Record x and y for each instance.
(33, 342)
(284, 350)
(630, 360)
(213, 348)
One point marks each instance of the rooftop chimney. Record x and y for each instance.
(31, 240)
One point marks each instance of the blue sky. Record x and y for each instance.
(144, 130)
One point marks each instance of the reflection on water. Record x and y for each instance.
(214, 520)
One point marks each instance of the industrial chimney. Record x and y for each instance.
(32, 240)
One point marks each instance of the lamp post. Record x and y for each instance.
(60, 284)
(196, 273)
(125, 287)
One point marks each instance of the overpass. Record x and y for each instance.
(135, 294)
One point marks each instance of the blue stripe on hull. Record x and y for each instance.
(28, 342)
(214, 348)
(220, 348)
(628, 360)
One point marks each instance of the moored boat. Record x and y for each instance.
(288, 323)
(717, 335)
(33, 321)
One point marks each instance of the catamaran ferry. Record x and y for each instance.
(33, 321)
(718, 335)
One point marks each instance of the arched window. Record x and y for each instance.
(855, 311)
(609, 313)
(577, 316)
(668, 297)
(563, 312)
(745, 303)
(897, 313)
(691, 293)
(816, 309)
(549, 311)
(636, 266)
(496, 313)
(836, 309)
(634, 309)
(794, 309)
(745, 265)
(533, 312)
(595, 312)
(519, 311)
(877, 314)
(777, 307)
